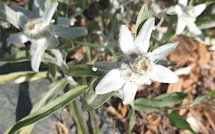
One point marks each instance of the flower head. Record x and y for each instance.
(39, 31)
(187, 16)
(137, 67)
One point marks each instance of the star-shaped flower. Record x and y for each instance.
(137, 67)
(187, 16)
(37, 27)
(38, 11)
(40, 32)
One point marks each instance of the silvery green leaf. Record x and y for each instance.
(208, 24)
(92, 100)
(107, 66)
(132, 118)
(170, 98)
(48, 109)
(50, 58)
(142, 16)
(171, 10)
(80, 122)
(53, 90)
(17, 57)
(92, 45)
(52, 69)
(198, 99)
(68, 32)
(65, 22)
(8, 14)
(19, 77)
(23, 10)
(158, 102)
(179, 122)
(83, 70)
(166, 63)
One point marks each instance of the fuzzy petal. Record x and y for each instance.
(49, 12)
(37, 12)
(162, 52)
(195, 30)
(110, 82)
(178, 10)
(162, 74)
(52, 41)
(126, 40)
(18, 38)
(199, 9)
(42, 5)
(58, 56)
(28, 13)
(22, 19)
(129, 92)
(180, 26)
(182, 2)
(38, 47)
(142, 40)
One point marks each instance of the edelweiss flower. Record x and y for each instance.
(40, 32)
(38, 11)
(187, 16)
(37, 28)
(137, 67)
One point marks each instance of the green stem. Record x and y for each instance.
(95, 127)
(78, 118)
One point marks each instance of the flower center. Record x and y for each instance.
(135, 71)
(188, 15)
(142, 65)
(38, 28)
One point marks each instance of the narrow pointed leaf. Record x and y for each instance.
(158, 102)
(167, 63)
(92, 45)
(54, 89)
(83, 70)
(207, 25)
(132, 118)
(143, 104)
(17, 57)
(142, 16)
(48, 109)
(170, 98)
(69, 32)
(198, 99)
(107, 66)
(19, 77)
(92, 100)
(179, 122)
